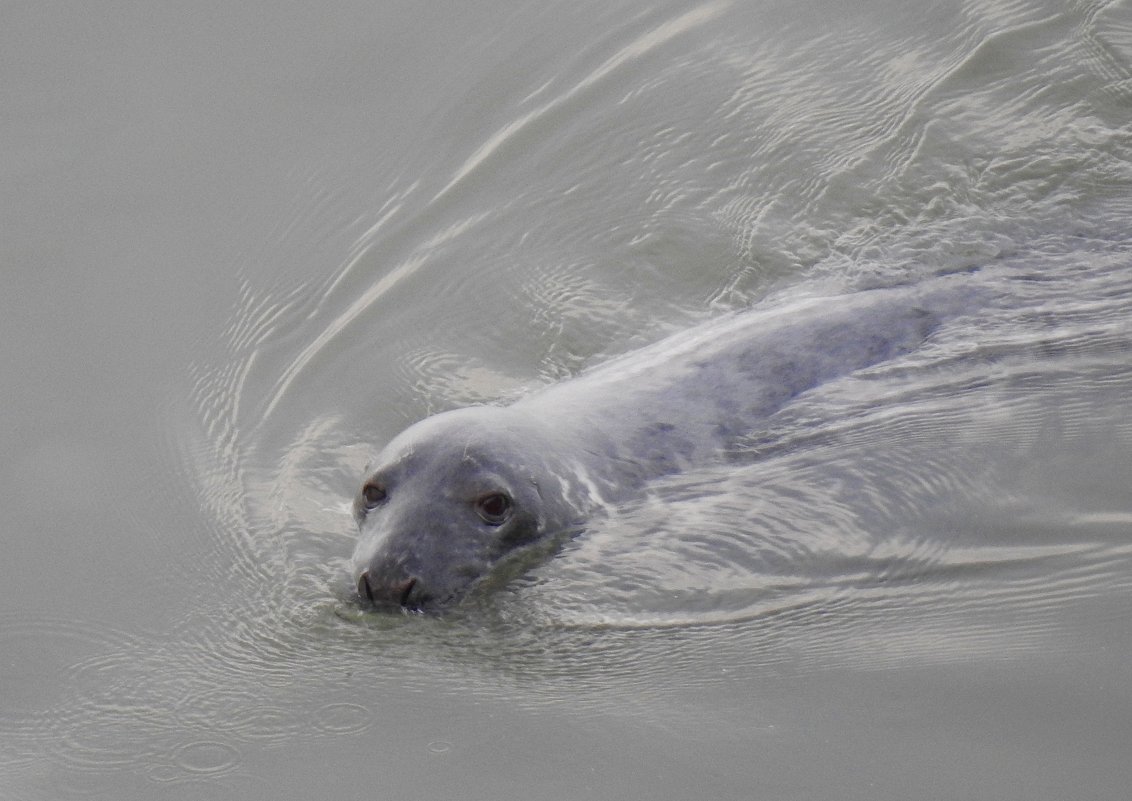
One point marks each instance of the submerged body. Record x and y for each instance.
(455, 495)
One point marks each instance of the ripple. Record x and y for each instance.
(207, 756)
(243, 713)
(106, 743)
(342, 718)
(446, 379)
(48, 662)
(164, 773)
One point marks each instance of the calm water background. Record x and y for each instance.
(243, 244)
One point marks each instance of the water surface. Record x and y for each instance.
(246, 246)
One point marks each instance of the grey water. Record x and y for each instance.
(243, 245)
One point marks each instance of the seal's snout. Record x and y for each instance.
(387, 593)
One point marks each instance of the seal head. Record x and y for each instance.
(450, 498)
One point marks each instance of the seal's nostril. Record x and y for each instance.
(364, 590)
(405, 588)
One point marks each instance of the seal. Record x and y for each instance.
(457, 495)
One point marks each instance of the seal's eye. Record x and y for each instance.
(373, 494)
(494, 508)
